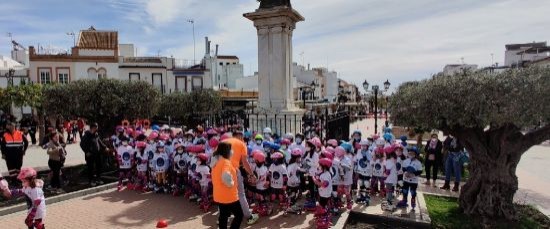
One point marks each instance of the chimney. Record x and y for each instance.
(308, 66)
(216, 50)
(207, 46)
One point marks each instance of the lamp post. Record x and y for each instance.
(375, 90)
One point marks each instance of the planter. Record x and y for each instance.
(358, 220)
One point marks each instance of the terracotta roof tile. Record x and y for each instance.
(95, 39)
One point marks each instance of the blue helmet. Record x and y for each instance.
(156, 127)
(413, 149)
(348, 147)
(356, 132)
(387, 130)
(388, 137)
(247, 134)
(403, 138)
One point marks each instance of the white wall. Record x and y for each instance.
(247, 83)
(126, 50)
(95, 52)
(34, 65)
(81, 69)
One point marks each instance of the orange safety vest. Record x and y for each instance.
(13, 140)
(222, 193)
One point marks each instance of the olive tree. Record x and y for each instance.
(187, 107)
(498, 117)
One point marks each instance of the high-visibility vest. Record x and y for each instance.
(222, 193)
(13, 140)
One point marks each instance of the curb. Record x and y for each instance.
(342, 220)
(422, 208)
(59, 198)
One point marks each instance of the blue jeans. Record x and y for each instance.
(453, 166)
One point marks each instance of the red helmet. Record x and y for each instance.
(340, 151)
(296, 152)
(389, 149)
(326, 162)
(26, 172)
(285, 142)
(211, 132)
(327, 154)
(162, 223)
(137, 133)
(164, 137)
(153, 136)
(258, 155)
(195, 148)
(225, 136)
(141, 144)
(202, 156)
(332, 142)
(374, 137)
(213, 142)
(277, 155)
(129, 131)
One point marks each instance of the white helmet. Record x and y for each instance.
(289, 136)
(380, 141)
(267, 130)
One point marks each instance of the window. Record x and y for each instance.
(45, 76)
(92, 73)
(102, 73)
(63, 75)
(197, 83)
(221, 64)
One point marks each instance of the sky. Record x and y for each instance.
(371, 40)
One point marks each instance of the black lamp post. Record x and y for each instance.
(375, 90)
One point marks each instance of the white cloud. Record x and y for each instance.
(165, 11)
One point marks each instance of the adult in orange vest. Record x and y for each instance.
(13, 147)
(224, 182)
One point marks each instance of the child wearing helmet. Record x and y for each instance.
(285, 143)
(346, 174)
(400, 158)
(413, 168)
(258, 143)
(267, 134)
(391, 179)
(203, 174)
(324, 184)
(161, 163)
(335, 172)
(32, 189)
(363, 169)
(278, 178)
(150, 150)
(377, 179)
(294, 170)
(310, 163)
(140, 179)
(262, 182)
(298, 143)
(180, 160)
(125, 158)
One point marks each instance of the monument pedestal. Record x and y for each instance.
(275, 85)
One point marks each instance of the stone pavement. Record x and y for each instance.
(129, 209)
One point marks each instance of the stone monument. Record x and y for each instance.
(275, 20)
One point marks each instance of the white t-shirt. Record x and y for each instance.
(142, 162)
(36, 194)
(192, 166)
(311, 163)
(390, 166)
(277, 175)
(325, 192)
(399, 165)
(261, 173)
(335, 172)
(409, 177)
(293, 175)
(203, 175)
(150, 151)
(180, 162)
(161, 162)
(125, 155)
(363, 163)
(346, 171)
(377, 167)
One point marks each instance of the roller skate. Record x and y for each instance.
(323, 218)
(294, 209)
(320, 212)
(387, 206)
(349, 205)
(310, 205)
(263, 209)
(402, 204)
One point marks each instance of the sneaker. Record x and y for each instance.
(253, 219)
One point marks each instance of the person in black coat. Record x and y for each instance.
(92, 146)
(433, 158)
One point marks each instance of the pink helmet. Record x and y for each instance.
(296, 152)
(389, 149)
(325, 162)
(211, 132)
(285, 142)
(258, 155)
(213, 142)
(129, 131)
(153, 136)
(327, 154)
(26, 172)
(195, 148)
(379, 150)
(178, 145)
(164, 137)
(277, 155)
(225, 136)
(330, 149)
(137, 133)
(397, 146)
(316, 142)
(202, 156)
(141, 144)
(374, 137)
(339, 151)
(332, 142)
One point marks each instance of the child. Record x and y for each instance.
(125, 158)
(142, 160)
(32, 189)
(181, 159)
(363, 169)
(203, 174)
(161, 167)
(377, 172)
(150, 151)
(278, 178)
(337, 179)
(293, 184)
(346, 174)
(262, 184)
(391, 179)
(413, 169)
(311, 163)
(324, 184)
(400, 158)
(285, 143)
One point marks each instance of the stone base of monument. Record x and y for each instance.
(280, 122)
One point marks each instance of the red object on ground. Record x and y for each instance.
(162, 223)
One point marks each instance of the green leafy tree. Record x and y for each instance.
(188, 107)
(498, 117)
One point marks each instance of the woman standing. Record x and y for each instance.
(57, 153)
(433, 158)
(224, 181)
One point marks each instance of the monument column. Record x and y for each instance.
(275, 83)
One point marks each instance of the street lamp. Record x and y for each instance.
(375, 90)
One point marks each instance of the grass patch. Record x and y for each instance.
(445, 213)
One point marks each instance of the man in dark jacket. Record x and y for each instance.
(13, 146)
(92, 146)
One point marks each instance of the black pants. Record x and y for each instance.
(14, 162)
(227, 210)
(93, 164)
(432, 166)
(55, 167)
(32, 133)
(311, 187)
